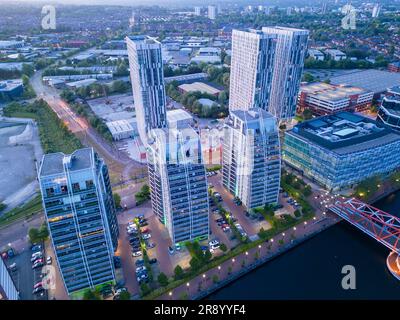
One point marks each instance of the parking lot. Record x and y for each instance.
(25, 277)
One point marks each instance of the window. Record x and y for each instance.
(75, 187)
(64, 189)
(50, 191)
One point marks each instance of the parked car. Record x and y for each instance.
(145, 230)
(12, 267)
(213, 242)
(140, 269)
(37, 290)
(152, 261)
(49, 260)
(151, 245)
(38, 285)
(178, 247)
(139, 263)
(37, 265)
(146, 236)
(171, 250)
(136, 254)
(36, 256)
(36, 248)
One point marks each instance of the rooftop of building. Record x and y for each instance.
(119, 126)
(345, 132)
(9, 85)
(374, 80)
(53, 163)
(330, 92)
(396, 64)
(199, 86)
(251, 118)
(335, 51)
(143, 39)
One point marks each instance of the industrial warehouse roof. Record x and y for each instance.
(345, 132)
(373, 80)
(328, 92)
(199, 86)
(53, 163)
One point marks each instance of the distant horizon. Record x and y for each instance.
(182, 3)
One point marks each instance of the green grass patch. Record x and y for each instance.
(27, 210)
(54, 134)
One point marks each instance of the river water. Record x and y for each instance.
(313, 269)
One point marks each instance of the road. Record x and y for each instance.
(117, 161)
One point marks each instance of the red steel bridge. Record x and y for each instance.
(378, 224)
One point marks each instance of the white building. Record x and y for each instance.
(251, 69)
(179, 118)
(290, 52)
(197, 11)
(251, 157)
(335, 54)
(212, 12)
(178, 184)
(147, 78)
(376, 10)
(316, 54)
(121, 129)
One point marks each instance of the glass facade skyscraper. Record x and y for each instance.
(80, 213)
(147, 78)
(178, 183)
(251, 157)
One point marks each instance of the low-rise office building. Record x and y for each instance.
(323, 98)
(316, 54)
(251, 157)
(200, 87)
(11, 89)
(336, 54)
(342, 149)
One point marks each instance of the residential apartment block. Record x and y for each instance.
(252, 65)
(290, 52)
(251, 157)
(80, 213)
(178, 183)
(147, 78)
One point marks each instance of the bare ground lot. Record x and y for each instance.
(19, 149)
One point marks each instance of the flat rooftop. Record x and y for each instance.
(329, 92)
(53, 163)
(199, 86)
(9, 85)
(373, 80)
(345, 132)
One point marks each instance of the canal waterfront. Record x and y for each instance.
(313, 269)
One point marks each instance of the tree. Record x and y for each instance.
(162, 279)
(117, 200)
(307, 114)
(43, 232)
(223, 247)
(178, 272)
(145, 289)
(3, 206)
(308, 77)
(215, 278)
(195, 263)
(91, 295)
(125, 295)
(33, 234)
